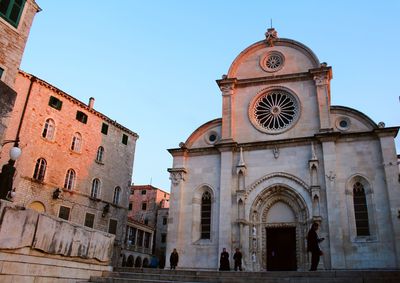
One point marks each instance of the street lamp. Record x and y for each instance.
(8, 171)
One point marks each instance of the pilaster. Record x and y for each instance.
(322, 77)
(175, 220)
(227, 87)
(391, 172)
(225, 206)
(335, 258)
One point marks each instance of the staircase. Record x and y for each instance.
(132, 275)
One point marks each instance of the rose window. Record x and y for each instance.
(274, 111)
(272, 61)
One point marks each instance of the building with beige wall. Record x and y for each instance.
(137, 249)
(280, 158)
(76, 163)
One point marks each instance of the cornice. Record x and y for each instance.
(389, 131)
(319, 137)
(239, 83)
(77, 102)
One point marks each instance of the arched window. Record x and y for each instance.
(360, 210)
(40, 169)
(76, 142)
(117, 193)
(48, 129)
(206, 215)
(100, 153)
(95, 193)
(69, 182)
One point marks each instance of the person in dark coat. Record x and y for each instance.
(237, 257)
(313, 246)
(173, 259)
(224, 261)
(6, 178)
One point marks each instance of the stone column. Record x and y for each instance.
(391, 173)
(335, 207)
(322, 77)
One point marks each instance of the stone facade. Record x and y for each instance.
(13, 40)
(145, 201)
(280, 158)
(160, 250)
(36, 247)
(138, 245)
(12, 44)
(80, 147)
(150, 207)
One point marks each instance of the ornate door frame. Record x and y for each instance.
(258, 224)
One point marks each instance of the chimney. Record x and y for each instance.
(91, 102)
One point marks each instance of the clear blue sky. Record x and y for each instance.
(152, 65)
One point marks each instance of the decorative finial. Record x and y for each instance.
(241, 159)
(271, 35)
(313, 155)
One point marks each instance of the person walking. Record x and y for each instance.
(237, 257)
(313, 246)
(173, 259)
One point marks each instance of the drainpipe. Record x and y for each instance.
(33, 79)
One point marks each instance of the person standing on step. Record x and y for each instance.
(313, 246)
(224, 261)
(173, 259)
(237, 257)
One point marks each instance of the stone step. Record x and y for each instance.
(123, 275)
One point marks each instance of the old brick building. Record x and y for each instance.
(149, 205)
(16, 18)
(76, 163)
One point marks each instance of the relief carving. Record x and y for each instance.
(321, 79)
(227, 89)
(176, 175)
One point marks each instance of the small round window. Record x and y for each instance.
(211, 137)
(272, 61)
(343, 123)
(274, 111)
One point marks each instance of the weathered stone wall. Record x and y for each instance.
(36, 247)
(7, 100)
(13, 41)
(114, 170)
(154, 198)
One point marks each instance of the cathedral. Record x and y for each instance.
(281, 158)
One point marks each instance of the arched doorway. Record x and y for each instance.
(123, 264)
(129, 262)
(138, 262)
(278, 229)
(145, 262)
(37, 206)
